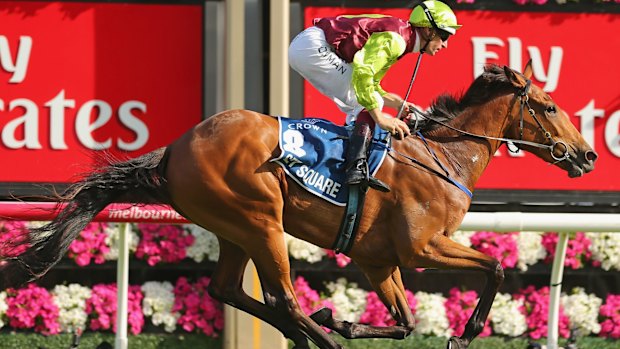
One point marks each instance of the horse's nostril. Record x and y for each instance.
(591, 155)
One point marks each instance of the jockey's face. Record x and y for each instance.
(437, 41)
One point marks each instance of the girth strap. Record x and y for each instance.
(352, 217)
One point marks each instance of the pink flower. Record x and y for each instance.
(309, 299)
(32, 307)
(502, 246)
(537, 2)
(13, 238)
(198, 311)
(163, 243)
(459, 307)
(610, 317)
(377, 314)
(341, 260)
(536, 309)
(577, 249)
(101, 308)
(465, 1)
(90, 245)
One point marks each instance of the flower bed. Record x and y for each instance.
(183, 305)
(186, 307)
(158, 244)
(521, 314)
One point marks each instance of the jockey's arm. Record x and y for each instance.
(369, 66)
(393, 101)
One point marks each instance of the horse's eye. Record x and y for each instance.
(551, 110)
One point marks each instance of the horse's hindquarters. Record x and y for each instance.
(219, 171)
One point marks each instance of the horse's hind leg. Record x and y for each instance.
(387, 282)
(272, 262)
(226, 286)
(443, 253)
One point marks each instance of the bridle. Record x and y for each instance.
(523, 96)
(525, 102)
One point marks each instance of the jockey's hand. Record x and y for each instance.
(396, 127)
(406, 110)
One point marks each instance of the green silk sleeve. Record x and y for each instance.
(372, 62)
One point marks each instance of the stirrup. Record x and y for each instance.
(357, 175)
(378, 184)
(372, 182)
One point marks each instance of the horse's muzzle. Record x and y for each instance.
(581, 162)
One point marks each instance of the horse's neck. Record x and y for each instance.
(469, 156)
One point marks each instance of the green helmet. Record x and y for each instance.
(441, 13)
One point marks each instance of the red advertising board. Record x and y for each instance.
(81, 77)
(574, 59)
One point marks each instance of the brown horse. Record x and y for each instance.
(219, 176)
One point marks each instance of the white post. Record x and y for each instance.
(234, 63)
(557, 271)
(279, 28)
(122, 284)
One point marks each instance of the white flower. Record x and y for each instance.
(506, 318)
(3, 308)
(205, 244)
(71, 302)
(605, 248)
(531, 250)
(35, 224)
(463, 237)
(582, 311)
(347, 298)
(113, 233)
(302, 250)
(430, 315)
(158, 302)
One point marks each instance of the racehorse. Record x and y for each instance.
(219, 176)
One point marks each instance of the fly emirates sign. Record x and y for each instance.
(573, 60)
(76, 78)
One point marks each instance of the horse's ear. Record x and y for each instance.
(514, 78)
(527, 72)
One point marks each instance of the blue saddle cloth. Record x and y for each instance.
(313, 155)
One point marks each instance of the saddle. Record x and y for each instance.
(312, 154)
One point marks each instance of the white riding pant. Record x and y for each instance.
(317, 62)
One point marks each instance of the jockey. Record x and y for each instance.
(345, 58)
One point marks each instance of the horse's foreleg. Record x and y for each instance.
(443, 253)
(388, 284)
(226, 286)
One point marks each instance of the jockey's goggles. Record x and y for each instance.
(443, 35)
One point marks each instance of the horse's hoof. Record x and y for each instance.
(321, 316)
(456, 343)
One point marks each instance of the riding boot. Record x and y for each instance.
(357, 158)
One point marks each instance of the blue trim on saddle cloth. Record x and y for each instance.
(313, 155)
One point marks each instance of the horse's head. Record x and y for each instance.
(546, 129)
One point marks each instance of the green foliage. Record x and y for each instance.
(90, 340)
(423, 342)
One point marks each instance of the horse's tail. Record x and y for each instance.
(138, 180)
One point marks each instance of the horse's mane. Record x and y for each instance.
(447, 107)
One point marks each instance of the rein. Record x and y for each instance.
(445, 174)
(524, 101)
